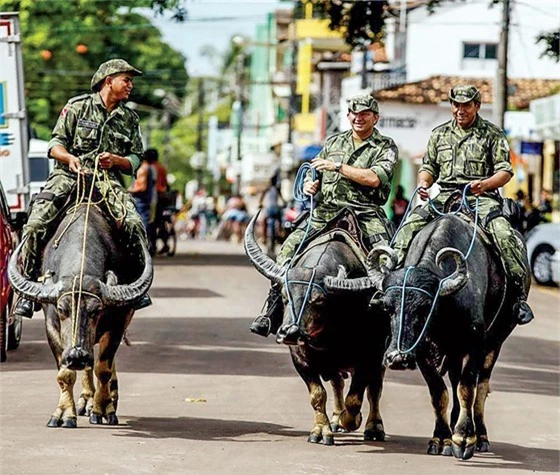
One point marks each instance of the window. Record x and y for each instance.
(491, 51)
(479, 56)
(471, 50)
(480, 50)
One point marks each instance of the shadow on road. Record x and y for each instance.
(224, 346)
(194, 428)
(221, 260)
(503, 455)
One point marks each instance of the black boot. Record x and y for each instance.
(24, 308)
(270, 320)
(523, 312)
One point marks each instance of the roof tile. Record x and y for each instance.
(435, 89)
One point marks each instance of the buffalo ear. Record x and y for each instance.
(111, 278)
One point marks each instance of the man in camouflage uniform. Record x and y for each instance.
(90, 127)
(470, 150)
(355, 171)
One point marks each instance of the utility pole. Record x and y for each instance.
(364, 73)
(199, 130)
(501, 96)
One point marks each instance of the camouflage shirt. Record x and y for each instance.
(377, 152)
(455, 157)
(85, 128)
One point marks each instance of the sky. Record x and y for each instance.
(214, 22)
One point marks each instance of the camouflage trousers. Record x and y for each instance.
(372, 226)
(511, 250)
(45, 210)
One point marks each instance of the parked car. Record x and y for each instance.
(10, 325)
(542, 242)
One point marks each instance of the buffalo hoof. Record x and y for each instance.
(463, 453)
(447, 451)
(336, 427)
(328, 440)
(483, 445)
(314, 439)
(112, 419)
(69, 423)
(433, 447)
(54, 422)
(95, 419)
(373, 434)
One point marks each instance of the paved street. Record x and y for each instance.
(199, 394)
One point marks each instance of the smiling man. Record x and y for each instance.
(355, 169)
(469, 150)
(92, 130)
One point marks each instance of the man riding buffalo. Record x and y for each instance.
(356, 168)
(471, 151)
(93, 130)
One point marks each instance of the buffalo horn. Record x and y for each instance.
(31, 290)
(264, 264)
(458, 279)
(125, 294)
(375, 276)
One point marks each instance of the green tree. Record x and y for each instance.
(364, 21)
(65, 41)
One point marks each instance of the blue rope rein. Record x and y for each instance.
(301, 197)
(464, 205)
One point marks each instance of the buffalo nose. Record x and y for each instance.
(289, 334)
(77, 359)
(399, 361)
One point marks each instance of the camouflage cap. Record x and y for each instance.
(362, 102)
(464, 93)
(108, 68)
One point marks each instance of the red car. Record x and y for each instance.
(10, 325)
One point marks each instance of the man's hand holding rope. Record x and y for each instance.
(108, 160)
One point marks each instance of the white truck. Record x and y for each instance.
(14, 141)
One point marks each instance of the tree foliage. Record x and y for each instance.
(551, 41)
(364, 21)
(65, 41)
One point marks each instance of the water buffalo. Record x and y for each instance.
(454, 316)
(82, 312)
(329, 330)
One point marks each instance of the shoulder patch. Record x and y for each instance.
(78, 98)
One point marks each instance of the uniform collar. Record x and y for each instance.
(99, 102)
(475, 125)
(375, 136)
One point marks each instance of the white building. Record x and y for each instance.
(461, 39)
